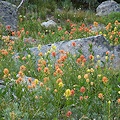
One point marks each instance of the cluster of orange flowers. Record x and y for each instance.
(21, 74)
(113, 33)
(74, 29)
(4, 52)
(41, 64)
(81, 60)
(58, 71)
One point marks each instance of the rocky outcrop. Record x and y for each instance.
(8, 14)
(99, 47)
(107, 7)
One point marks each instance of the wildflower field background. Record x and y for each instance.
(71, 88)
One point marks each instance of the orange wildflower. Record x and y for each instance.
(47, 88)
(13, 33)
(83, 25)
(29, 86)
(73, 30)
(78, 60)
(91, 57)
(22, 68)
(59, 71)
(62, 51)
(53, 54)
(33, 85)
(86, 29)
(39, 33)
(81, 97)
(68, 20)
(46, 79)
(59, 28)
(112, 56)
(40, 54)
(72, 92)
(18, 33)
(21, 74)
(81, 29)
(86, 76)
(107, 52)
(24, 58)
(82, 57)
(118, 100)
(8, 27)
(82, 89)
(42, 36)
(73, 44)
(84, 60)
(17, 81)
(69, 113)
(22, 30)
(27, 32)
(95, 24)
(6, 71)
(42, 62)
(100, 95)
(4, 52)
(46, 70)
(59, 80)
(66, 32)
(85, 97)
(41, 84)
(54, 73)
(20, 79)
(104, 79)
(39, 69)
(53, 33)
(62, 58)
(30, 79)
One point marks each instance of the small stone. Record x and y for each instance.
(48, 24)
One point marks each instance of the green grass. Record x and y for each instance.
(70, 89)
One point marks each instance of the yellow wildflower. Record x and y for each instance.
(39, 47)
(36, 81)
(67, 93)
(60, 84)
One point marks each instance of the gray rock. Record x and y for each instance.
(8, 14)
(107, 7)
(99, 46)
(1, 84)
(1, 81)
(98, 28)
(117, 56)
(49, 23)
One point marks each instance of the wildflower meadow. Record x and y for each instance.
(68, 88)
